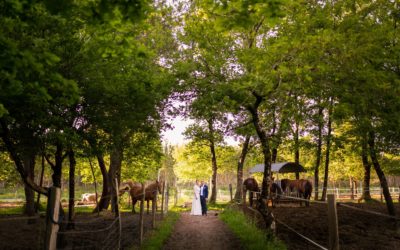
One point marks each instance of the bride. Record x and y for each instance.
(196, 206)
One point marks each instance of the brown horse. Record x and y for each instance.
(136, 192)
(251, 185)
(302, 187)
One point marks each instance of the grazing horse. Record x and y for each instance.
(136, 192)
(252, 185)
(303, 188)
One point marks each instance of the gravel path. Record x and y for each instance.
(201, 232)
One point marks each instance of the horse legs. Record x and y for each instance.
(251, 199)
(133, 205)
(148, 201)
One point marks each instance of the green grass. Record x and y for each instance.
(158, 236)
(250, 236)
(217, 206)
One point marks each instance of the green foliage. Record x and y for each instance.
(193, 161)
(250, 236)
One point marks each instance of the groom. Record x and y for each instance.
(203, 197)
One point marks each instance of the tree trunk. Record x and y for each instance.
(296, 148)
(262, 135)
(71, 204)
(29, 164)
(381, 175)
(261, 205)
(213, 197)
(37, 206)
(105, 198)
(109, 186)
(114, 172)
(319, 151)
(239, 185)
(328, 148)
(367, 170)
(57, 166)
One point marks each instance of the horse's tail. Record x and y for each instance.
(308, 189)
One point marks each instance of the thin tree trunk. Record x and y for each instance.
(105, 198)
(40, 184)
(213, 197)
(114, 172)
(367, 170)
(262, 135)
(381, 175)
(71, 204)
(239, 184)
(319, 152)
(328, 148)
(296, 148)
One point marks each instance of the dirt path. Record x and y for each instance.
(201, 232)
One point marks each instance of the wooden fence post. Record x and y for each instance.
(166, 198)
(118, 213)
(141, 218)
(162, 200)
(333, 223)
(53, 210)
(230, 191)
(176, 196)
(154, 208)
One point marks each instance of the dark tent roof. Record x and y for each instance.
(280, 167)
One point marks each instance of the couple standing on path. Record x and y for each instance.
(199, 203)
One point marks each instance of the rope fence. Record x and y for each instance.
(332, 217)
(300, 235)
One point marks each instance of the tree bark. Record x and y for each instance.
(319, 152)
(115, 172)
(367, 170)
(328, 148)
(243, 154)
(262, 135)
(71, 204)
(105, 198)
(375, 162)
(29, 164)
(109, 186)
(213, 197)
(296, 147)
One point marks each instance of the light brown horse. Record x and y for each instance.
(136, 192)
(302, 187)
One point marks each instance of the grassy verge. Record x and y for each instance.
(163, 230)
(250, 236)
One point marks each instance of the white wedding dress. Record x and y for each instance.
(196, 205)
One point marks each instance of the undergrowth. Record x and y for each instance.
(250, 236)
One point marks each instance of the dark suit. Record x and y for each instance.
(203, 197)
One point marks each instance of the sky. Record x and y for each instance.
(175, 136)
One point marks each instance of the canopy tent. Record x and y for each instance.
(280, 167)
